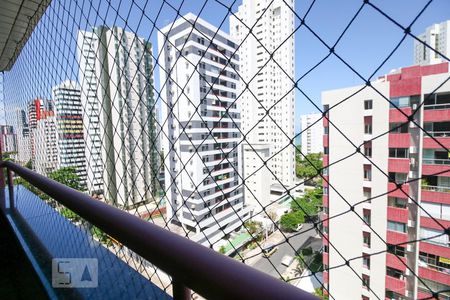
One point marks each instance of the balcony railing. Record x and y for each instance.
(442, 189)
(437, 106)
(437, 134)
(436, 161)
(191, 265)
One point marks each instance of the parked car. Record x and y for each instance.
(269, 250)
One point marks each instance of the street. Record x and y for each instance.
(266, 266)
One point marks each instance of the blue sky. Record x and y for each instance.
(365, 45)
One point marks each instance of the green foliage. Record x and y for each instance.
(290, 221)
(222, 249)
(101, 236)
(29, 165)
(309, 203)
(307, 167)
(68, 214)
(8, 156)
(66, 176)
(319, 293)
(253, 227)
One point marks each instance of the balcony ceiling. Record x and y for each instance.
(17, 21)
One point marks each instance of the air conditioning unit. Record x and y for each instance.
(414, 106)
(409, 248)
(411, 223)
(412, 149)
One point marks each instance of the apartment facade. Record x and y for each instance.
(23, 137)
(266, 95)
(202, 119)
(46, 145)
(116, 74)
(38, 109)
(399, 191)
(69, 125)
(311, 133)
(8, 139)
(437, 36)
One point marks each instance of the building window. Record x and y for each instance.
(368, 128)
(368, 149)
(366, 216)
(366, 239)
(325, 150)
(438, 263)
(394, 273)
(367, 104)
(366, 281)
(397, 202)
(398, 177)
(367, 172)
(396, 250)
(399, 152)
(434, 236)
(366, 261)
(398, 127)
(396, 226)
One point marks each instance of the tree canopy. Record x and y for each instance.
(307, 167)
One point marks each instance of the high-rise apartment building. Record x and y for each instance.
(437, 36)
(38, 109)
(311, 133)
(116, 77)
(46, 145)
(69, 125)
(266, 95)
(199, 84)
(23, 137)
(399, 196)
(8, 139)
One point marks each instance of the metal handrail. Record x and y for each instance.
(436, 161)
(208, 273)
(443, 189)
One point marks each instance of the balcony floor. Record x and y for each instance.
(17, 277)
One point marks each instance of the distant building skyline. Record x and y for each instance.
(311, 133)
(436, 36)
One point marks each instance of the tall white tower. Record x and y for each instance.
(119, 118)
(270, 87)
(201, 121)
(437, 36)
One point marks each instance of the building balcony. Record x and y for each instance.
(395, 284)
(436, 194)
(399, 140)
(436, 249)
(442, 169)
(443, 137)
(435, 273)
(433, 223)
(397, 192)
(436, 113)
(397, 214)
(394, 237)
(396, 116)
(123, 252)
(395, 262)
(398, 165)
